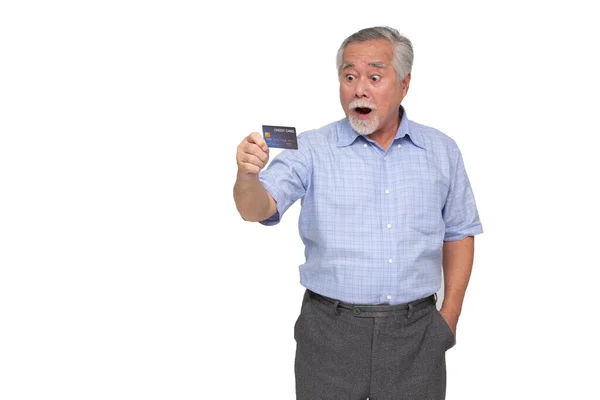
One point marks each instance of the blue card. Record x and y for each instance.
(283, 137)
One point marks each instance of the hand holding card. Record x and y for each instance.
(283, 137)
(252, 155)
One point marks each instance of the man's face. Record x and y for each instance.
(369, 91)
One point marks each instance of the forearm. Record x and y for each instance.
(457, 265)
(252, 200)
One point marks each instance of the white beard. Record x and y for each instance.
(364, 126)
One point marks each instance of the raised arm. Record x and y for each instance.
(252, 200)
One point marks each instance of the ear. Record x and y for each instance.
(405, 84)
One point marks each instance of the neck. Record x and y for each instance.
(385, 135)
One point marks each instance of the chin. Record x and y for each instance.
(364, 127)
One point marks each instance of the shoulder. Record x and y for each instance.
(312, 143)
(434, 138)
(322, 136)
(321, 142)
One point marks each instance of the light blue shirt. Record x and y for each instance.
(373, 222)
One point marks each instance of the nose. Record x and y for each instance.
(361, 89)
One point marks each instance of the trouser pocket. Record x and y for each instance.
(303, 308)
(449, 335)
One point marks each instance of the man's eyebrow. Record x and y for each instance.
(375, 64)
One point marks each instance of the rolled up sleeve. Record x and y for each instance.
(460, 211)
(286, 178)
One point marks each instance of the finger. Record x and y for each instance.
(256, 138)
(250, 152)
(255, 150)
(251, 159)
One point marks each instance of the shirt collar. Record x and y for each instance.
(347, 135)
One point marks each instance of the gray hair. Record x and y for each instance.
(403, 51)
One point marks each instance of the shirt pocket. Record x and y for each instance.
(423, 194)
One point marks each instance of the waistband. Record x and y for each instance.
(369, 310)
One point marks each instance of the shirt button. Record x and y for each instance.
(390, 260)
(399, 145)
(385, 158)
(389, 297)
(387, 191)
(365, 145)
(389, 225)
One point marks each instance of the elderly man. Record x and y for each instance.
(386, 205)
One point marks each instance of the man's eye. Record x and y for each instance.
(375, 78)
(350, 77)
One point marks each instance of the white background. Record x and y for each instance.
(126, 271)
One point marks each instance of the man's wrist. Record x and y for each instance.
(451, 309)
(246, 176)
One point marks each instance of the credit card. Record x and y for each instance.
(283, 137)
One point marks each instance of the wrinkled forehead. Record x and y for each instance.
(372, 53)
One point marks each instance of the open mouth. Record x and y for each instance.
(363, 110)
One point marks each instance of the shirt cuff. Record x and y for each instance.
(454, 236)
(278, 197)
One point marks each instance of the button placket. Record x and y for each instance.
(387, 212)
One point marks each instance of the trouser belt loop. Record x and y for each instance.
(410, 311)
(336, 307)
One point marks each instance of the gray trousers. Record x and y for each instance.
(376, 352)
